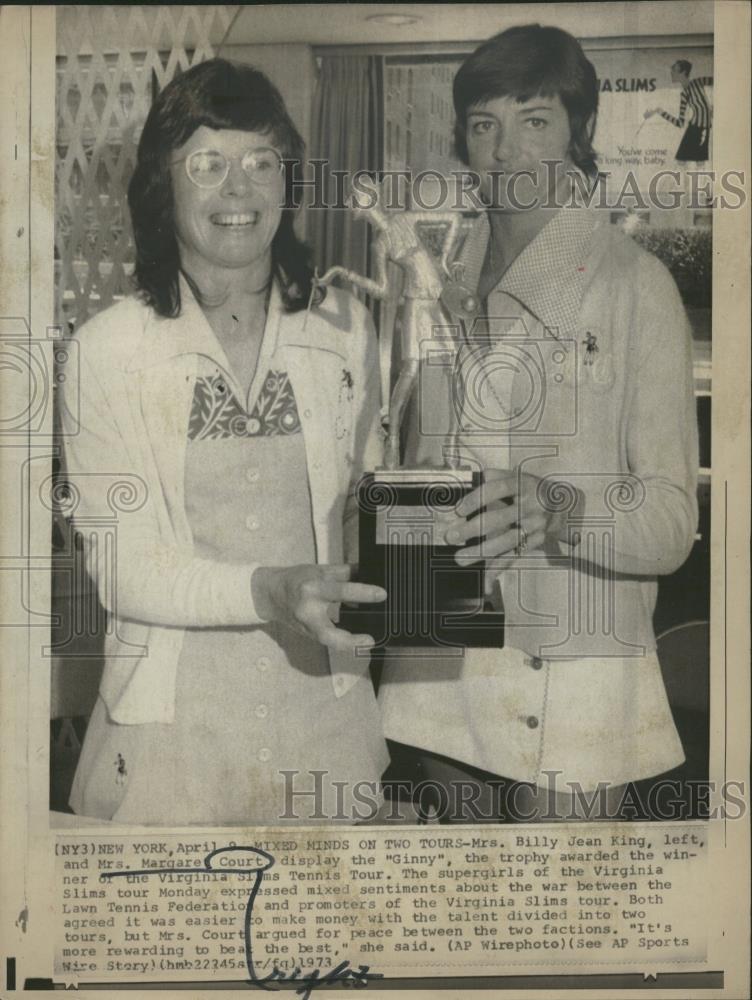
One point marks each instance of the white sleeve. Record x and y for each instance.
(655, 530)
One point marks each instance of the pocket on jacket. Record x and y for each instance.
(599, 375)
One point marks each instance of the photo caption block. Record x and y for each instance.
(169, 907)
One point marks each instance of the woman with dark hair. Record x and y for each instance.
(238, 419)
(526, 62)
(579, 366)
(214, 95)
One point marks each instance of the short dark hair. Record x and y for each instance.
(684, 66)
(220, 95)
(525, 61)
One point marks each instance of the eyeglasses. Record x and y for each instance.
(208, 168)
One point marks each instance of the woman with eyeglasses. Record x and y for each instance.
(220, 425)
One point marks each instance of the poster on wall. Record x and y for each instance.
(644, 112)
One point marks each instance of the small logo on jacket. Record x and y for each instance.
(345, 396)
(591, 347)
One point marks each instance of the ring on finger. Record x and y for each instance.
(522, 544)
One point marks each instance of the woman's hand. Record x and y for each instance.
(301, 598)
(512, 521)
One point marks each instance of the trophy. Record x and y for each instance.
(432, 600)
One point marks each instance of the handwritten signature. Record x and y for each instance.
(259, 862)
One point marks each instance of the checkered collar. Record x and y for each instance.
(548, 276)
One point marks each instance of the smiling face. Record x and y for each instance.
(227, 229)
(511, 137)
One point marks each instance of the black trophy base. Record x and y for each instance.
(431, 600)
(479, 629)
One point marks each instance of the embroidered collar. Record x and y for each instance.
(548, 276)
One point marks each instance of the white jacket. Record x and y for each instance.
(125, 415)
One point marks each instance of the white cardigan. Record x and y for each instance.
(125, 417)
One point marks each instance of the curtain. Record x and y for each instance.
(347, 130)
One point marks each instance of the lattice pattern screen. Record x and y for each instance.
(111, 60)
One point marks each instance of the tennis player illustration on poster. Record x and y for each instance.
(695, 114)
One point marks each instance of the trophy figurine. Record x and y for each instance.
(431, 599)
